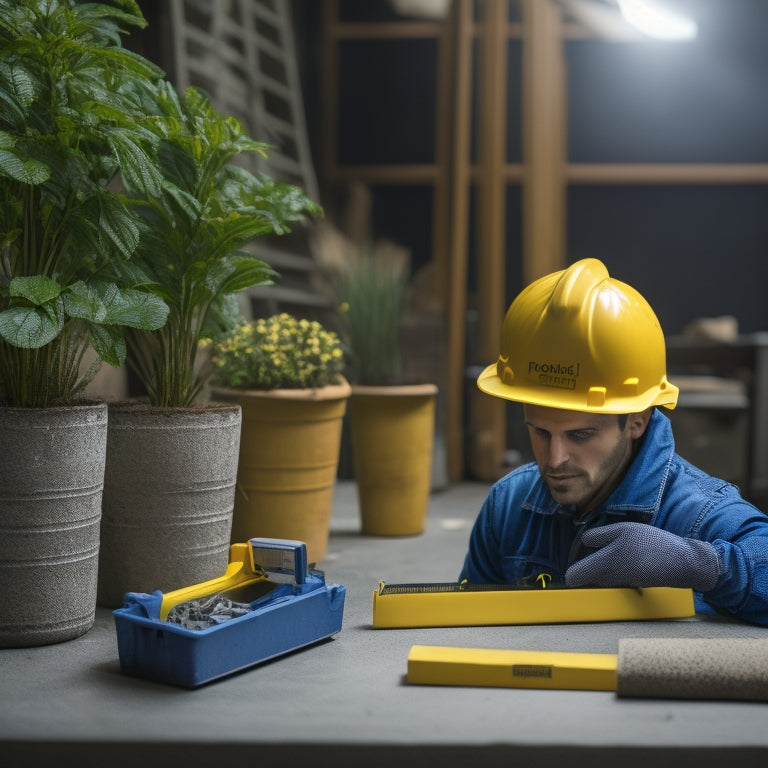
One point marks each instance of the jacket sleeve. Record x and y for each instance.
(483, 559)
(742, 590)
(699, 506)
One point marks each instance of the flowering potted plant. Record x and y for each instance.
(279, 352)
(286, 373)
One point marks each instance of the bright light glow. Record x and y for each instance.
(655, 20)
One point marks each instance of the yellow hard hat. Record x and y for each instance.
(580, 340)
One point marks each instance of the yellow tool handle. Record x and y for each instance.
(439, 665)
(239, 571)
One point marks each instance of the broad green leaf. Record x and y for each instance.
(17, 91)
(177, 165)
(118, 224)
(138, 171)
(84, 302)
(187, 204)
(109, 343)
(30, 327)
(203, 280)
(245, 273)
(136, 309)
(37, 289)
(25, 170)
(233, 232)
(222, 316)
(132, 275)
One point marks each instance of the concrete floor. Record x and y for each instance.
(345, 701)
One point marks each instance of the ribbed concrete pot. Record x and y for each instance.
(51, 480)
(169, 490)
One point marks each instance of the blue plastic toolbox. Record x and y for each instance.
(268, 603)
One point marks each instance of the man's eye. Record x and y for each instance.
(580, 437)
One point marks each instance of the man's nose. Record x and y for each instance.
(558, 453)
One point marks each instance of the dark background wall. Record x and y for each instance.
(692, 250)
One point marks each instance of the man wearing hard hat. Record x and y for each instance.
(607, 501)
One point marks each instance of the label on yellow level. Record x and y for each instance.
(440, 665)
(434, 608)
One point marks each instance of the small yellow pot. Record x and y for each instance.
(392, 443)
(289, 456)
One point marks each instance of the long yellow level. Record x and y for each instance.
(452, 605)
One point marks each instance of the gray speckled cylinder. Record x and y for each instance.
(51, 481)
(168, 497)
(693, 668)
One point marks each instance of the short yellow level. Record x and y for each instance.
(434, 606)
(437, 665)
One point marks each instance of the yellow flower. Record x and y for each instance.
(279, 352)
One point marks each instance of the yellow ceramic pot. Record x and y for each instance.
(289, 455)
(392, 442)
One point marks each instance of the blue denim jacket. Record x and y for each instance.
(521, 531)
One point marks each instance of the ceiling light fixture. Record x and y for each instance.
(655, 20)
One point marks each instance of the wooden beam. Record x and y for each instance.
(397, 30)
(487, 414)
(544, 132)
(668, 173)
(329, 159)
(441, 202)
(387, 174)
(458, 241)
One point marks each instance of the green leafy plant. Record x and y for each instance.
(278, 352)
(72, 143)
(194, 237)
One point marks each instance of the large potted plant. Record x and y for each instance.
(70, 139)
(392, 420)
(286, 373)
(172, 461)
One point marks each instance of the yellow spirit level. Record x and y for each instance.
(463, 605)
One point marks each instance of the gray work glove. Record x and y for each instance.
(640, 555)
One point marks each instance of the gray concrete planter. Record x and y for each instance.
(169, 489)
(51, 481)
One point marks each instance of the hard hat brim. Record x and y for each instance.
(489, 382)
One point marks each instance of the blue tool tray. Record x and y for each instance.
(289, 607)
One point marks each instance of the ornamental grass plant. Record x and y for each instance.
(278, 352)
(371, 289)
(368, 282)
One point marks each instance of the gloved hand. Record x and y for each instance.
(640, 555)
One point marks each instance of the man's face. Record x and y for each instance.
(582, 456)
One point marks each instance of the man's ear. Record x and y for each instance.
(638, 422)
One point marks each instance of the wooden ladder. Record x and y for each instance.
(242, 54)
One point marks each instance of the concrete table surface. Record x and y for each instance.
(345, 701)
